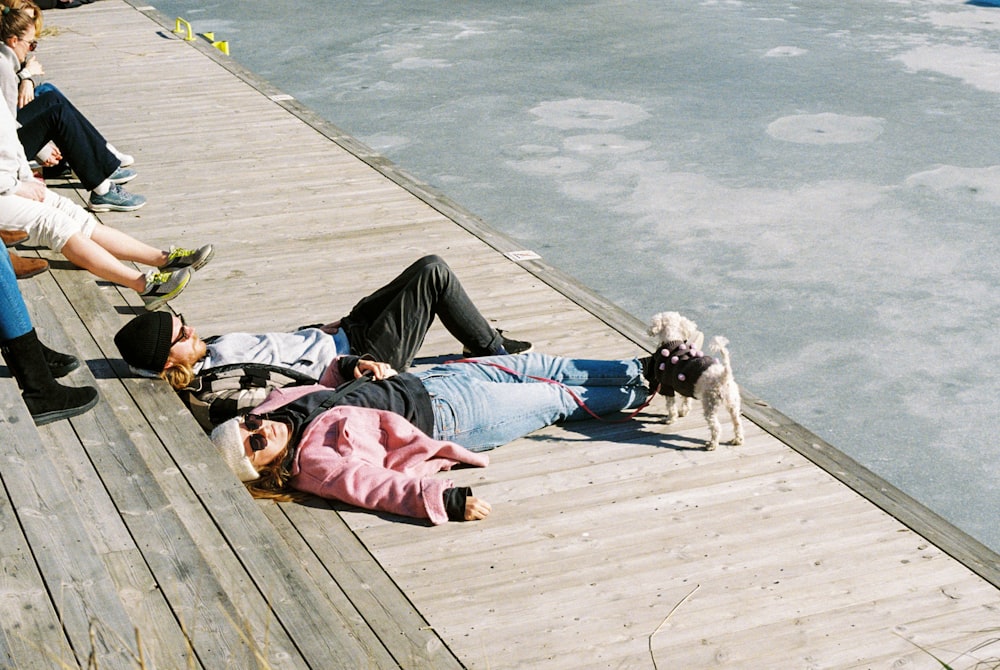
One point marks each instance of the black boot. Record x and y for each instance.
(47, 400)
(59, 364)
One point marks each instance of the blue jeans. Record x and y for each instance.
(14, 318)
(481, 406)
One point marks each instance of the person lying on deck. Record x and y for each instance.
(389, 325)
(377, 444)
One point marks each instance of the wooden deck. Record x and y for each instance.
(124, 540)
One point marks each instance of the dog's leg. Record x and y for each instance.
(733, 403)
(710, 404)
(671, 409)
(685, 406)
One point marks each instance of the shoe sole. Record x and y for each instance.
(49, 417)
(114, 208)
(124, 180)
(162, 300)
(63, 370)
(204, 261)
(193, 267)
(29, 275)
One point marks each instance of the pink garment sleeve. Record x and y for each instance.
(378, 460)
(325, 473)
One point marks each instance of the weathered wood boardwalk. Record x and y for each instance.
(125, 541)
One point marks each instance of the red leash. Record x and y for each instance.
(574, 396)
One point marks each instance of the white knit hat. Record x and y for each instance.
(229, 441)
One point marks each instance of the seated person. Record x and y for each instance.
(57, 222)
(389, 325)
(52, 129)
(377, 444)
(33, 365)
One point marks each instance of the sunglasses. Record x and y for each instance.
(184, 333)
(253, 423)
(32, 44)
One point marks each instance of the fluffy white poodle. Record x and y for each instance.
(681, 367)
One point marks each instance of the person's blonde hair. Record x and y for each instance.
(273, 481)
(27, 5)
(179, 376)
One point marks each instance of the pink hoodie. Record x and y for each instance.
(372, 458)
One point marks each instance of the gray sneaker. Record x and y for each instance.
(162, 287)
(122, 175)
(116, 199)
(193, 259)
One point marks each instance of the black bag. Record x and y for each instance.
(220, 393)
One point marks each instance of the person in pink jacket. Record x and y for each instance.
(378, 444)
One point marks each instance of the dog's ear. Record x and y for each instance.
(655, 325)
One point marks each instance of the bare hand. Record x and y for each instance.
(32, 189)
(33, 67)
(476, 509)
(25, 92)
(378, 370)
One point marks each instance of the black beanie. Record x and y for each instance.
(144, 342)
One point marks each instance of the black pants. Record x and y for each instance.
(390, 324)
(51, 117)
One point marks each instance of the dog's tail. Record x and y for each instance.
(718, 345)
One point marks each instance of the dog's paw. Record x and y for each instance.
(711, 446)
(736, 441)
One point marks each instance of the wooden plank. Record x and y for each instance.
(217, 617)
(350, 568)
(597, 530)
(82, 591)
(30, 624)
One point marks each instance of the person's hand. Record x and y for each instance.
(32, 189)
(378, 370)
(476, 509)
(49, 155)
(25, 92)
(33, 67)
(331, 328)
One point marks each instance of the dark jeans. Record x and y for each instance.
(51, 117)
(391, 323)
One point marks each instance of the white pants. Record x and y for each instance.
(49, 223)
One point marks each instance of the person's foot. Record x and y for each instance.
(193, 259)
(161, 287)
(59, 364)
(125, 159)
(13, 237)
(116, 199)
(507, 346)
(27, 267)
(514, 346)
(122, 175)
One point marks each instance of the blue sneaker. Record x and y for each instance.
(116, 199)
(122, 175)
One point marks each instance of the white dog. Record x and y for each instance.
(682, 368)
